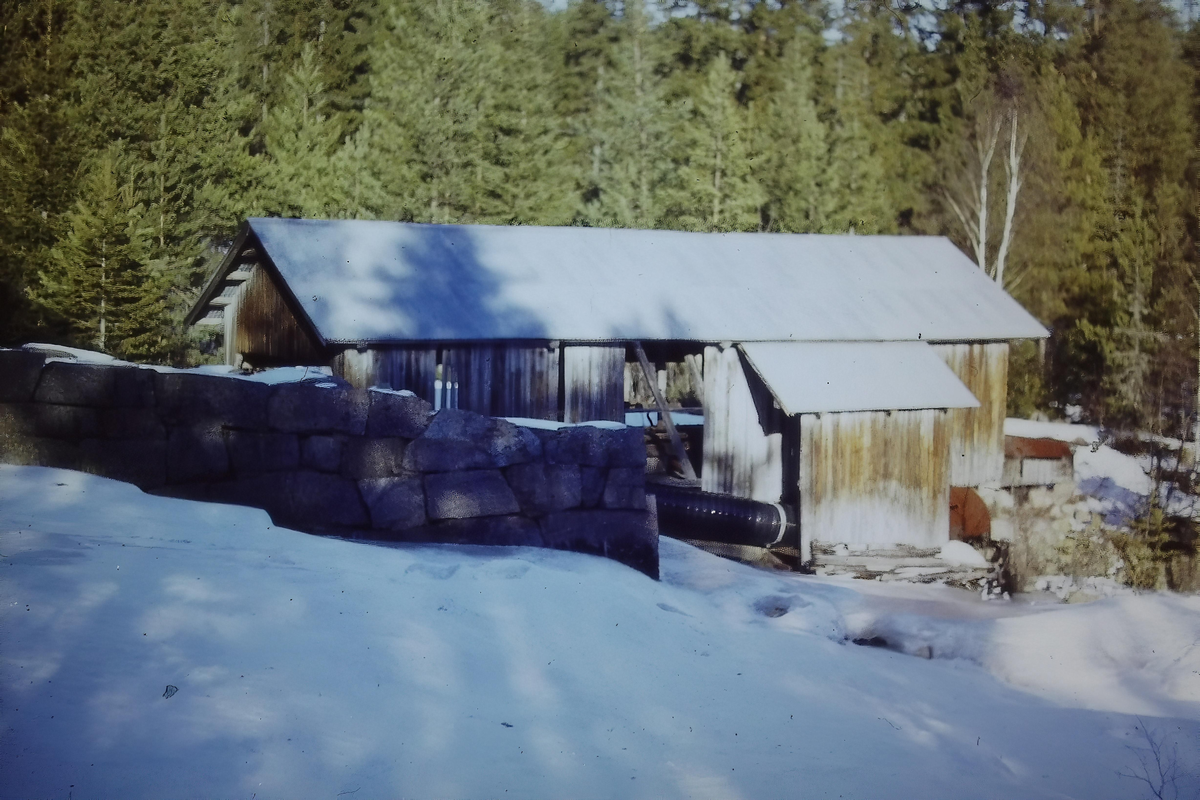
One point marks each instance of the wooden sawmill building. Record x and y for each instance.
(854, 379)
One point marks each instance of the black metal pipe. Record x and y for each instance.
(708, 517)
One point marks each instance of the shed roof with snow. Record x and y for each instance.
(808, 377)
(369, 281)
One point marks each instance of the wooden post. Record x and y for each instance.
(676, 443)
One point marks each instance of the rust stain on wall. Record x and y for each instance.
(875, 477)
(977, 434)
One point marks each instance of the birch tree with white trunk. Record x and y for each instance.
(969, 196)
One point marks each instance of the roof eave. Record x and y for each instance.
(213, 285)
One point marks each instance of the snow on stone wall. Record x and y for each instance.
(361, 463)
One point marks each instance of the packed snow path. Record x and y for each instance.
(312, 668)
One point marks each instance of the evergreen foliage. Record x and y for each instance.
(135, 137)
(99, 276)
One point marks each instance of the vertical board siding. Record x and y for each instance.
(525, 382)
(411, 368)
(501, 380)
(357, 367)
(977, 434)
(740, 457)
(267, 332)
(874, 478)
(468, 368)
(593, 383)
(233, 344)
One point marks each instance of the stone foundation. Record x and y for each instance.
(358, 463)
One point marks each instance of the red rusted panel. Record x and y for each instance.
(1023, 447)
(969, 517)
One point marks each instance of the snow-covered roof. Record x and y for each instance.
(370, 281)
(810, 377)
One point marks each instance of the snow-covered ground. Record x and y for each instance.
(311, 667)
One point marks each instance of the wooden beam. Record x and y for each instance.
(238, 275)
(676, 443)
(220, 300)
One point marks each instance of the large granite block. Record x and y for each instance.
(142, 462)
(64, 422)
(303, 408)
(253, 451)
(394, 414)
(625, 488)
(630, 537)
(504, 531)
(626, 447)
(592, 480)
(270, 491)
(193, 399)
(543, 487)
(473, 493)
(373, 458)
(591, 446)
(585, 445)
(76, 384)
(35, 452)
(318, 501)
(131, 423)
(196, 454)
(322, 453)
(17, 420)
(133, 387)
(459, 440)
(19, 373)
(394, 503)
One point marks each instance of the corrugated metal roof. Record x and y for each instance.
(809, 377)
(391, 281)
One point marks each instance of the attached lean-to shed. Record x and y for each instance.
(854, 379)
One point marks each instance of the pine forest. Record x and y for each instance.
(1054, 141)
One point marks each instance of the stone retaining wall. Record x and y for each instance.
(360, 463)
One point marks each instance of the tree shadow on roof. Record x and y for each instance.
(390, 282)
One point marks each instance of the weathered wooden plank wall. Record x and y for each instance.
(397, 367)
(742, 456)
(501, 380)
(875, 478)
(593, 382)
(411, 368)
(358, 367)
(233, 352)
(525, 382)
(267, 331)
(977, 434)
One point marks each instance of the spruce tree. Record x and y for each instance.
(718, 192)
(428, 87)
(633, 126)
(794, 166)
(99, 275)
(301, 140)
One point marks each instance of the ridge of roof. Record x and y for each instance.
(377, 281)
